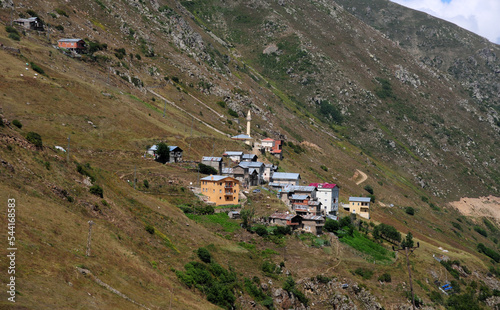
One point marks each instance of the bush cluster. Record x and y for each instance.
(290, 287)
(205, 169)
(34, 139)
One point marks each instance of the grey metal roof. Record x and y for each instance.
(209, 158)
(173, 147)
(313, 217)
(251, 164)
(227, 171)
(69, 40)
(359, 199)
(286, 176)
(298, 188)
(282, 216)
(153, 148)
(248, 156)
(233, 153)
(242, 137)
(214, 178)
(299, 197)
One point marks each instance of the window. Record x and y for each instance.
(220, 191)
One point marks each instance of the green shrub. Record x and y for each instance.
(323, 279)
(369, 189)
(386, 277)
(36, 68)
(222, 104)
(11, 29)
(150, 229)
(364, 272)
(481, 231)
(60, 27)
(204, 255)
(331, 225)
(233, 113)
(261, 230)
(289, 286)
(61, 12)
(96, 190)
(457, 226)
(410, 210)
(14, 36)
(1, 122)
(488, 252)
(387, 232)
(205, 169)
(34, 139)
(325, 168)
(490, 225)
(17, 123)
(146, 183)
(282, 230)
(384, 90)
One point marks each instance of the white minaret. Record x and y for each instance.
(249, 118)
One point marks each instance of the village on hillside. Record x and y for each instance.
(234, 174)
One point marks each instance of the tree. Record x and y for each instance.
(96, 190)
(34, 139)
(408, 241)
(369, 189)
(331, 225)
(246, 215)
(163, 153)
(205, 169)
(204, 255)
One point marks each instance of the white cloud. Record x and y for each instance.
(479, 16)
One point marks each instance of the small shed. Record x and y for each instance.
(32, 23)
(72, 44)
(234, 214)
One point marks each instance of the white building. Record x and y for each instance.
(328, 195)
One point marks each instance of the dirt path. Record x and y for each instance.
(479, 207)
(357, 174)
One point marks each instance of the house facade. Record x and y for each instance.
(71, 44)
(328, 195)
(220, 190)
(267, 144)
(249, 157)
(286, 219)
(32, 23)
(313, 224)
(234, 156)
(360, 206)
(281, 179)
(289, 190)
(269, 169)
(175, 154)
(215, 162)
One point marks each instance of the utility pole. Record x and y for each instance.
(135, 175)
(67, 151)
(164, 108)
(407, 246)
(89, 238)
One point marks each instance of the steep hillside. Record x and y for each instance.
(348, 99)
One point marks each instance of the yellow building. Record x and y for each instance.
(360, 206)
(221, 190)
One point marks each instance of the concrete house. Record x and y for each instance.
(287, 191)
(281, 179)
(277, 150)
(215, 162)
(328, 195)
(313, 224)
(249, 157)
(220, 190)
(234, 156)
(175, 153)
(269, 169)
(76, 45)
(32, 23)
(267, 144)
(285, 219)
(249, 173)
(360, 206)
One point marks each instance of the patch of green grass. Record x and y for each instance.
(374, 250)
(218, 219)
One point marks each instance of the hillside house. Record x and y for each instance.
(328, 195)
(175, 154)
(289, 190)
(249, 157)
(215, 162)
(76, 45)
(305, 205)
(277, 150)
(234, 156)
(285, 219)
(249, 173)
(313, 224)
(269, 169)
(220, 190)
(32, 23)
(267, 144)
(360, 206)
(281, 179)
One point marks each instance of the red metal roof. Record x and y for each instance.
(268, 139)
(323, 185)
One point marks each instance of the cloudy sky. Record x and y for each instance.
(479, 16)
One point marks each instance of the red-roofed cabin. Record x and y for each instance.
(71, 44)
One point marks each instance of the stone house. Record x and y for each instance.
(215, 162)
